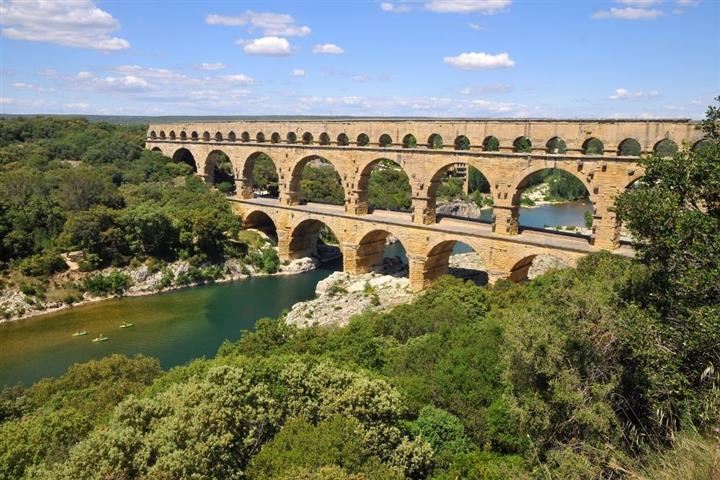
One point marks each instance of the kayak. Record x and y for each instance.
(100, 339)
(80, 333)
(127, 325)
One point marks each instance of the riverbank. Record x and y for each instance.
(143, 280)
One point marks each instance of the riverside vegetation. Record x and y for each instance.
(609, 370)
(71, 185)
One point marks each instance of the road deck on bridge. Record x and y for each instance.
(448, 225)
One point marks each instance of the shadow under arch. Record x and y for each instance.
(314, 238)
(218, 171)
(183, 155)
(380, 251)
(261, 222)
(260, 176)
(316, 179)
(530, 266)
(384, 185)
(469, 267)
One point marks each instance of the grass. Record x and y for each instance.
(693, 457)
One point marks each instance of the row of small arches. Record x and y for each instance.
(556, 145)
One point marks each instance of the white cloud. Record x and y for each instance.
(480, 60)
(624, 94)
(71, 23)
(395, 8)
(32, 87)
(76, 106)
(476, 26)
(239, 78)
(629, 13)
(47, 72)
(485, 7)
(639, 3)
(212, 66)
(688, 3)
(496, 88)
(83, 75)
(127, 82)
(6, 100)
(273, 46)
(297, 72)
(270, 24)
(329, 48)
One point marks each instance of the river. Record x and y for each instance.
(178, 326)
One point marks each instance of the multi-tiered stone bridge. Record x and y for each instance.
(602, 154)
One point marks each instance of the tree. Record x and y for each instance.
(674, 215)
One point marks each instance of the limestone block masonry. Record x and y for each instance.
(602, 154)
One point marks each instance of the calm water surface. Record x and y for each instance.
(176, 327)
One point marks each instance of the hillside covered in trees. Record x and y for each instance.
(609, 370)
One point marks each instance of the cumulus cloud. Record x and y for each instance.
(629, 13)
(297, 72)
(485, 7)
(329, 48)
(239, 78)
(624, 94)
(270, 24)
(480, 61)
(395, 8)
(71, 23)
(212, 66)
(272, 46)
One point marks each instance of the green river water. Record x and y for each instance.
(174, 327)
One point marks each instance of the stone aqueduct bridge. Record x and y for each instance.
(596, 152)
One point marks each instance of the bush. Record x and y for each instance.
(44, 264)
(115, 283)
(270, 260)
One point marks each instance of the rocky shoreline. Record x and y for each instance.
(143, 282)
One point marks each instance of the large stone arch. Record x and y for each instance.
(260, 221)
(437, 257)
(304, 234)
(519, 266)
(211, 162)
(433, 183)
(370, 249)
(245, 177)
(295, 176)
(521, 179)
(362, 183)
(183, 155)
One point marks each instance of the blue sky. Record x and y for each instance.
(461, 58)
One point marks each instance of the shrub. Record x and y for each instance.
(43, 264)
(115, 283)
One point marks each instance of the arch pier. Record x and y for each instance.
(602, 154)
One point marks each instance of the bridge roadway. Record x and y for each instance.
(362, 239)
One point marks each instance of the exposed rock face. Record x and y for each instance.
(341, 295)
(300, 265)
(459, 209)
(543, 264)
(15, 305)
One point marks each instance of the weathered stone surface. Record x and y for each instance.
(503, 247)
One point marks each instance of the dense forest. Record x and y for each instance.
(609, 370)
